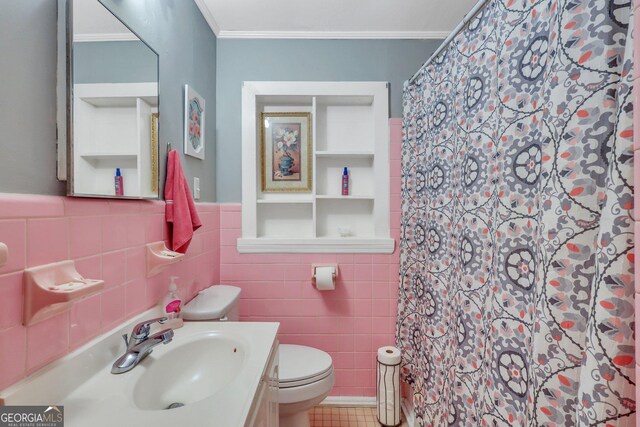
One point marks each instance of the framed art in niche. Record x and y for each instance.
(285, 144)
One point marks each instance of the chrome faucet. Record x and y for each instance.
(140, 345)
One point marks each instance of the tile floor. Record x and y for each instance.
(331, 416)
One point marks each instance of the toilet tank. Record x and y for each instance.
(217, 303)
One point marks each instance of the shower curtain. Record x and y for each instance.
(516, 302)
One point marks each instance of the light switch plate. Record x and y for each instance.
(196, 188)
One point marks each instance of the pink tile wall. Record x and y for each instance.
(106, 238)
(351, 322)
(636, 170)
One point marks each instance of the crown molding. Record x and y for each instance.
(113, 37)
(395, 35)
(206, 13)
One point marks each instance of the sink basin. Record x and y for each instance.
(188, 373)
(214, 369)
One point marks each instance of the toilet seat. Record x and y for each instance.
(302, 365)
(306, 381)
(309, 392)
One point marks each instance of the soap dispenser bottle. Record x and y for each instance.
(172, 305)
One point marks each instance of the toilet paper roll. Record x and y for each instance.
(324, 278)
(388, 382)
(389, 355)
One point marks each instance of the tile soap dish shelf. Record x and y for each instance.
(160, 257)
(49, 290)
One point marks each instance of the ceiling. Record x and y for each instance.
(94, 22)
(334, 19)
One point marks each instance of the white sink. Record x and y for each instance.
(212, 368)
(190, 372)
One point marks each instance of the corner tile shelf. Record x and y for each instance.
(49, 290)
(160, 257)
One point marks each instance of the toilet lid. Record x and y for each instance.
(212, 303)
(301, 364)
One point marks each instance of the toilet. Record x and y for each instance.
(306, 377)
(305, 373)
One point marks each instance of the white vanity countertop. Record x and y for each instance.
(91, 395)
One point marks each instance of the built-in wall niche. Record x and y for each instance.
(349, 129)
(345, 125)
(354, 214)
(114, 128)
(282, 220)
(361, 174)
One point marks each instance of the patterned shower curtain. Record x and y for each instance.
(516, 296)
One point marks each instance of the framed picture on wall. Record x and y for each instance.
(285, 144)
(194, 114)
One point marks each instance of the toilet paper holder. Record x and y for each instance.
(313, 271)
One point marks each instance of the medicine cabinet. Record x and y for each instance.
(108, 100)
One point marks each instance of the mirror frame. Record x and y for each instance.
(64, 94)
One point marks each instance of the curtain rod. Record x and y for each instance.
(465, 21)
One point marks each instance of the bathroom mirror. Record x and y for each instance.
(111, 99)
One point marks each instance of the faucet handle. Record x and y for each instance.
(141, 330)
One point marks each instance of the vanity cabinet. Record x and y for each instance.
(349, 128)
(264, 410)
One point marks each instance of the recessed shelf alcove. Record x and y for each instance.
(350, 128)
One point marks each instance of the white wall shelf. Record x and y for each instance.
(345, 198)
(315, 245)
(282, 201)
(352, 154)
(350, 128)
(109, 156)
(112, 129)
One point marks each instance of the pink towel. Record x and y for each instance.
(181, 213)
